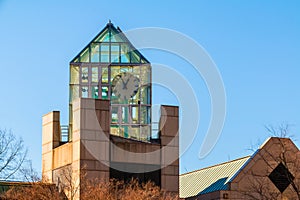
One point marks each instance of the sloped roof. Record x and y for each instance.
(110, 46)
(209, 179)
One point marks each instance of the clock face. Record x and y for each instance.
(125, 85)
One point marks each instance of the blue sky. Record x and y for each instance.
(255, 45)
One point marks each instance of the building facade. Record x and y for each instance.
(271, 173)
(110, 132)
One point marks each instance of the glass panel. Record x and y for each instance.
(115, 70)
(124, 131)
(125, 58)
(104, 92)
(114, 130)
(95, 53)
(134, 132)
(74, 77)
(114, 115)
(125, 115)
(145, 133)
(104, 37)
(84, 74)
(135, 115)
(115, 36)
(145, 115)
(136, 71)
(144, 61)
(135, 58)
(74, 92)
(104, 53)
(85, 56)
(145, 94)
(76, 60)
(95, 92)
(94, 74)
(84, 92)
(124, 69)
(135, 99)
(104, 75)
(145, 74)
(115, 53)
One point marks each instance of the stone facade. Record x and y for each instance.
(105, 156)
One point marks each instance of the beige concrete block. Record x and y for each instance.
(47, 177)
(47, 161)
(101, 136)
(47, 133)
(76, 150)
(76, 136)
(169, 155)
(169, 170)
(102, 104)
(46, 148)
(167, 110)
(53, 116)
(88, 135)
(171, 126)
(98, 149)
(62, 155)
(170, 183)
(104, 120)
(101, 175)
(170, 141)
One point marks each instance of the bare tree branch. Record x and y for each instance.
(12, 154)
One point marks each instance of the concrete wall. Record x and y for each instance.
(50, 140)
(91, 124)
(169, 135)
(93, 148)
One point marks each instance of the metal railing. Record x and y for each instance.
(64, 133)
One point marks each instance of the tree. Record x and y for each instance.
(12, 155)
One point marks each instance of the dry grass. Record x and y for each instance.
(92, 189)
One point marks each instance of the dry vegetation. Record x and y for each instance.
(91, 189)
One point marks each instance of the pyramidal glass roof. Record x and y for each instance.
(110, 46)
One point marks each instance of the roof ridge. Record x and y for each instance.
(219, 164)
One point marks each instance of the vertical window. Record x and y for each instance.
(104, 92)
(85, 92)
(145, 95)
(104, 53)
(74, 79)
(115, 50)
(104, 75)
(135, 114)
(145, 115)
(125, 54)
(95, 92)
(94, 74)
(114, 130)
(125, 115)
(74, 93)
(114, 115)
(95, 53)
(84, 74)
(134, 132)
(145, 133)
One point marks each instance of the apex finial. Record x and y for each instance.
(109, 22)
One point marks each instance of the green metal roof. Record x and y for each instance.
(209, 179)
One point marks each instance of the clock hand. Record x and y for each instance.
(125, 84)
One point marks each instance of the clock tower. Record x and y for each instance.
(109, 134)
(109, 67)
